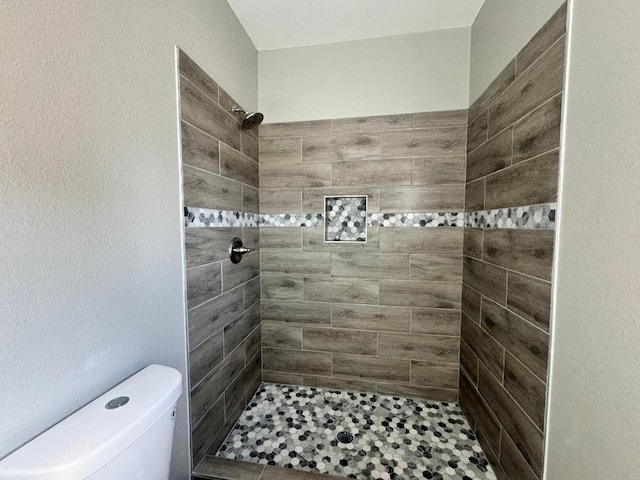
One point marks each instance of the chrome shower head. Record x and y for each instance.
(251, 119)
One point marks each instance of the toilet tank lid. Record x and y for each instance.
(91, 437)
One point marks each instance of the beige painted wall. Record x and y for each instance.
(90, 223)
(401, 74)
(500, 31)
(594, 414)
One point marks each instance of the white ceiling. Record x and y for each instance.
(275, 24)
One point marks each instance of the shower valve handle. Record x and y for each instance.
(237, 250)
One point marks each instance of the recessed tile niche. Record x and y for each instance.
(345, 219)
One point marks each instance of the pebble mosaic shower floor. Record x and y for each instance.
(356, 435)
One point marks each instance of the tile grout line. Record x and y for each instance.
(518, 163)
(514, 401)
(530, 67)
(505, 348)
(204, 132)
(516, 121)
(542, 54)
(193, 82)
(215, 102)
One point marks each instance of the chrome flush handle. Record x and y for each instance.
(237, 250)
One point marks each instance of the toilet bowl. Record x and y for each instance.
(125, 434)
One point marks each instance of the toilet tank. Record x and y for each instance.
(125, 434)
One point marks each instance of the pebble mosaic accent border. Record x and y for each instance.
(416, 219)
(531, 217)
(292, 220)
(204, 217)
(528, 217)
(356, 435)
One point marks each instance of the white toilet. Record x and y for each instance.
(126, 434)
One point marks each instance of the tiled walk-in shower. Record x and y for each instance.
(355, 435)
(447, 300)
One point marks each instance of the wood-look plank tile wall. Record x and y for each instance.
(382, 316)
(513, 144)
(221, 171)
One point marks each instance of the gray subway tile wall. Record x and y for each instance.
(379, 316)
(513, 149)
(220, 171)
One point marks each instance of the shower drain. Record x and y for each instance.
(344, 437)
